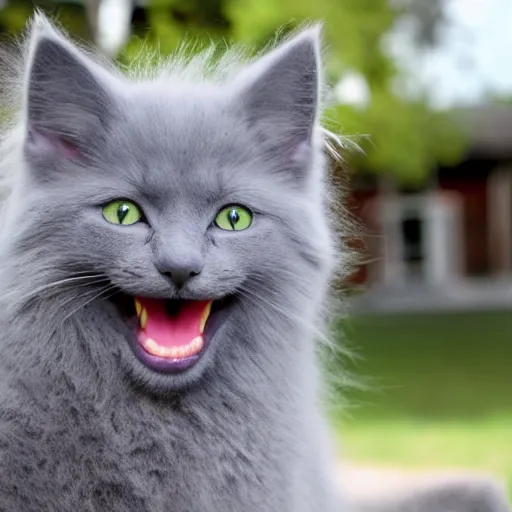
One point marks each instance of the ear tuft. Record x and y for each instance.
(41, 26)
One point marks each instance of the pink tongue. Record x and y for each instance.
(173, 330)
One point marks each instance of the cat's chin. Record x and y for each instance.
(172, 339)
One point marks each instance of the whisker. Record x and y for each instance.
(251, 295)
(261, 299)
(65, 283)
(110, 288)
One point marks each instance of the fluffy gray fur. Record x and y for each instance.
(83, 424)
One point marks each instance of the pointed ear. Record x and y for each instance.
(65, 104)
(280, 93)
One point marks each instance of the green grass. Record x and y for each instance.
(440, 392)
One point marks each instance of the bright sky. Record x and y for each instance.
(474, 57)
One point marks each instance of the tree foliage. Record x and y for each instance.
(399, 136)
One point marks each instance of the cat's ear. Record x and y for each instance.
(65, 103)
(281, 91)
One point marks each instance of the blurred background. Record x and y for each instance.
(422, 92)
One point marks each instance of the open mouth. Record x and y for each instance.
(171, 335)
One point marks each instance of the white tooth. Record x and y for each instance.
(204, 316)
(151, 346)
(166, 352)
(162, 352)
(197, 344)
(154, 348)
(138, 307)
(190, 349)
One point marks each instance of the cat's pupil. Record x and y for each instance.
(233, 217)
(122, 212)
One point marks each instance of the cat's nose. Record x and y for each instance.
(180, 272)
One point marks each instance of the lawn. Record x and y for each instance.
(439, 392)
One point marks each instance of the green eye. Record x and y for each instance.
(234, 218)
(122, 212)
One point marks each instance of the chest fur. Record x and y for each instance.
(129, 458)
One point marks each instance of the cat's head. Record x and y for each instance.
(198, 201)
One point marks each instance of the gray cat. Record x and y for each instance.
(166, 251)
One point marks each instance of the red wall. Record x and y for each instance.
(361, 205)
(475, 221)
